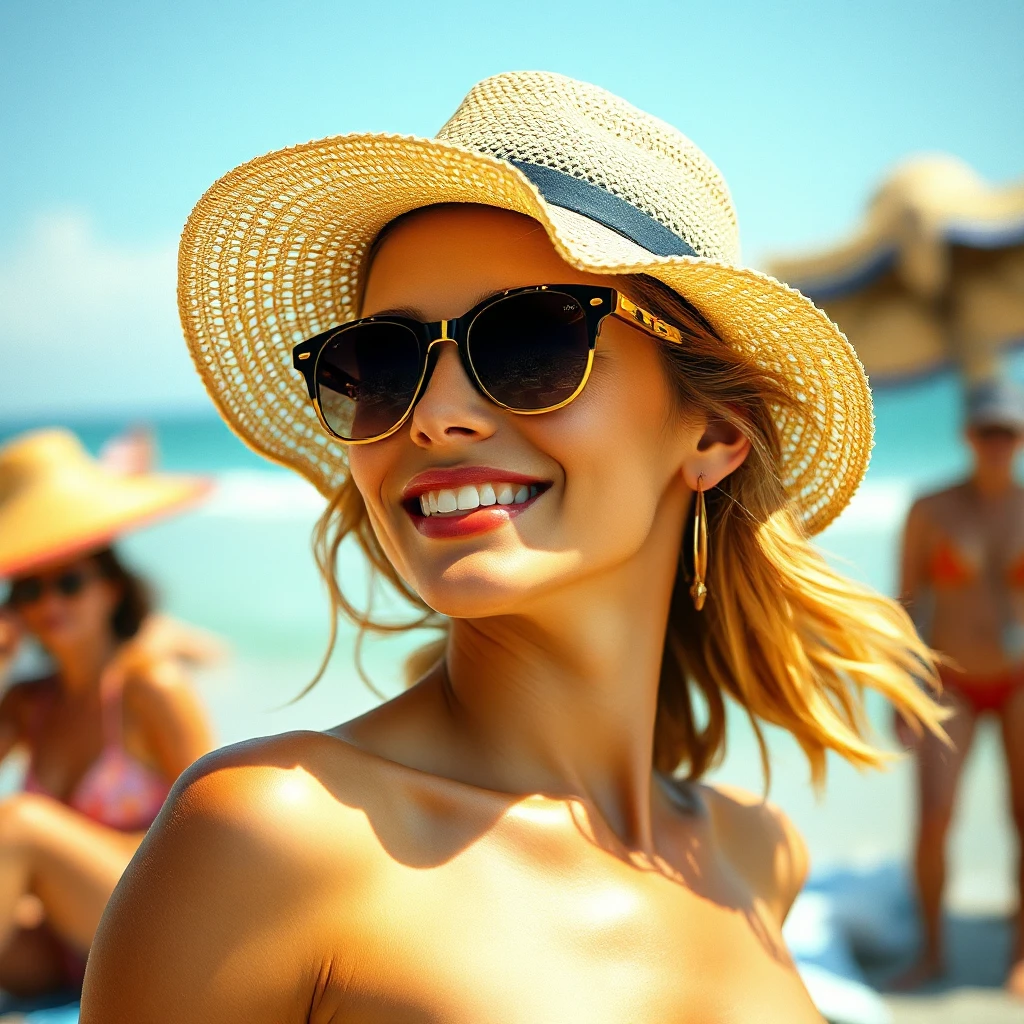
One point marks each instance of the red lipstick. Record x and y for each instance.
(453, 479)
(465, 523)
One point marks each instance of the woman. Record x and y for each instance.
(963, 580)
(603, 504)
(109, 729)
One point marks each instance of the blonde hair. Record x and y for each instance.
(791, 640)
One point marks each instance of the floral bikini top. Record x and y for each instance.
(117, 789)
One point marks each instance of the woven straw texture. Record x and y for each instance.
(57, 502)
(274, 251)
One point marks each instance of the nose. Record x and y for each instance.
(451, 410)
(50, 604)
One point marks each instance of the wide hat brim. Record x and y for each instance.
(77, 512)
(274, 252)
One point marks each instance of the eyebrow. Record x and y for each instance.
(405, 311)
(415, 314)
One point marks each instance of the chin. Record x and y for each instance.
(486, 584)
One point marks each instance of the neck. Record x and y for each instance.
(991, 483)
(80, 665)
(562, 700)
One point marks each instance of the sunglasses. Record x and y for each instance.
(30, 589)
(994, 432)
(527, 350)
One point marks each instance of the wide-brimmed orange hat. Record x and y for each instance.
(56, 501)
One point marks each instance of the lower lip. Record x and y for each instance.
(473, 521)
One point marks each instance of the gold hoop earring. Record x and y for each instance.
(699, 590)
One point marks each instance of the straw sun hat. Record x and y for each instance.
(274, 253)
(56, 501)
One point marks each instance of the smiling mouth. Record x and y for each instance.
(455, 501)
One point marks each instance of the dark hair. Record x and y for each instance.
(136, 595)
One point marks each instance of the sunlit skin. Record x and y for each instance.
(57, 867)
(492, 845)
(983, 518)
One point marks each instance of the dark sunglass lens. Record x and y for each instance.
(71, 582)
(530, 351)
(366, 379)
(27, 590)
(997, 433)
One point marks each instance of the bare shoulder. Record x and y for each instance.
(167, 723)
(154, 683)
(254, 840)
(761, 843)
(923, 509)
(934, 507)
(275, 794)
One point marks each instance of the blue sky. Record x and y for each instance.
(115, 117)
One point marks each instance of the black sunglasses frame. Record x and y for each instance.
(68, 583)
(596, 302)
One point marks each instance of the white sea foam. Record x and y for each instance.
(263, 494)
(877, 505)
(274, 494)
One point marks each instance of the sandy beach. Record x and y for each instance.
(964, 1006)
(979, 951)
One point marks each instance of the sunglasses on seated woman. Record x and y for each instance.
(27, 590)
(528, 350)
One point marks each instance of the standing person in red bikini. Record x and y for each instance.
(110, 729)
(963, 580)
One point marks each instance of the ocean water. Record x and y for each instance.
(241, 567)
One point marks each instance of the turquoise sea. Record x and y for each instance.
(241, 567)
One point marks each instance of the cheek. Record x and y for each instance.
(611, 456)
(369, 467)
(619, 446)
(94, 609)
(366, 470)
(30, 619)
(994, 453)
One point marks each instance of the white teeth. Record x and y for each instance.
(469, 497)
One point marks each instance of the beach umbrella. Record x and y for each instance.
(933, 276)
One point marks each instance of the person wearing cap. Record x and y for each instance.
(522, 363)
(114, 723)
(963, 580)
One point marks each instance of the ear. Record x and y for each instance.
(720, 450)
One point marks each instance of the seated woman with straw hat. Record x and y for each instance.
(114, 724)
(522, 363)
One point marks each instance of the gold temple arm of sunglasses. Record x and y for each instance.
(628, 310)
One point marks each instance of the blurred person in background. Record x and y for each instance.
(963, 582)
(523, 834)
(111, 726)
